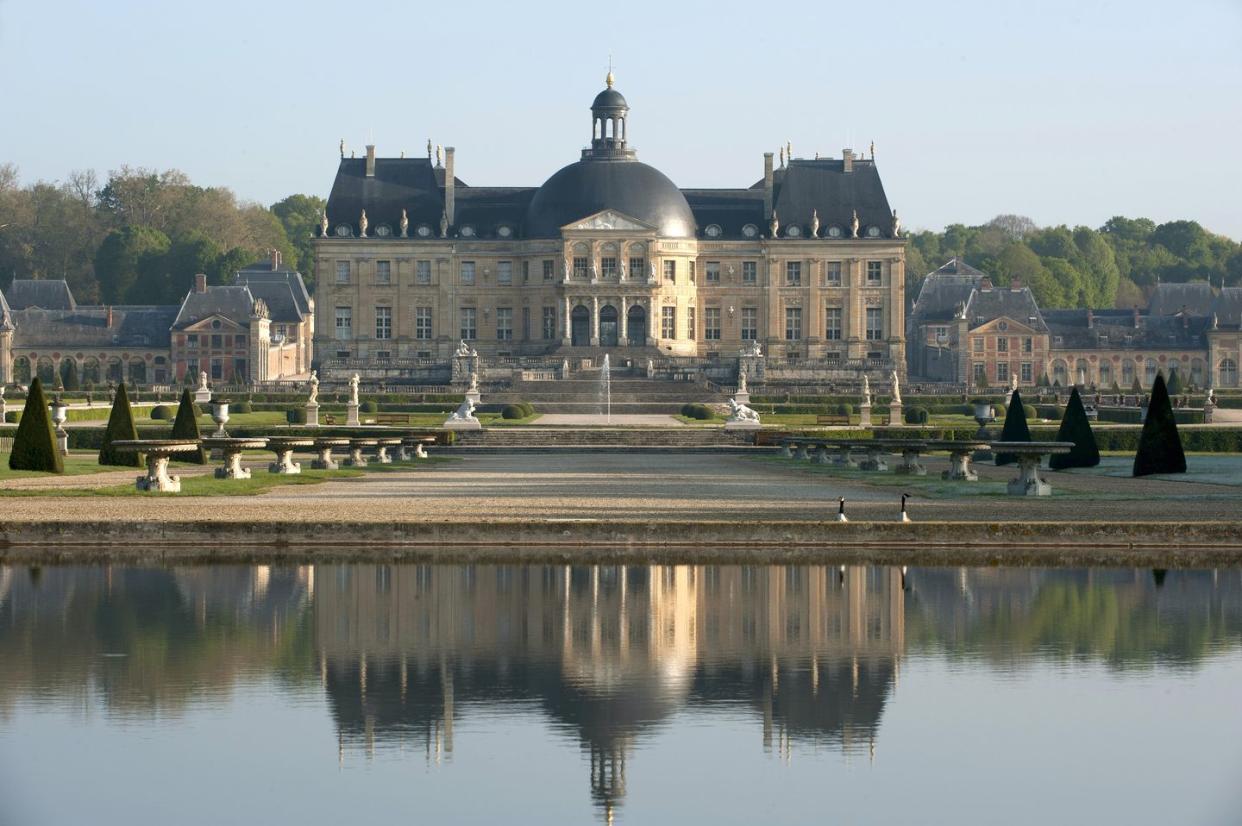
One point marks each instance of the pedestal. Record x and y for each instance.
(232, 466)
(284, 462)
(381, 455)
(356, 458)
(875, 461)
(785, 452)
(474, 397)
(742, 397)
(157, 479)
(742, 425)
(324, 460)
(864, 415)
(202, 396)
(1028, 482)
(351, 415)
(910, 464)
(845, 458)
(820, 457)
(62, 439)
(894, 415)
(463, 424)
(800, 452)
(419, 452)
(312, 414)
(959, 468)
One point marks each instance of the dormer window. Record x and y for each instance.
(712, 231)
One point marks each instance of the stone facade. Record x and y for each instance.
(608, 255)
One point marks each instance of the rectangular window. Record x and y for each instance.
(977, 343)
(793, 324)
(422, 272)
(711, 323)
(525, 272)
(670, 270)
(526, 324)
(580, 266)
(832, 324)
(191, 368)
(1002, 371)
(342, 272)
(668, 322)
(504, 323)
(504, 272)
(467, 272)
(383, 272)
(469, 329)
(1002, 345)
(239, 370)
(793, 273)
(344, 323)
(239, 341)
(1028, 344)
(217, 342)
(217, 369)
(549, 269)
(690, 333)
(691, 265)
(638, 268)
(383, 322)
(875, 273)
(422, 323)
(750, 323)
(832, 274)
(713, 272)
(981, 373)
(608, 267)
(549, 323)
(192, 340)
(750, 272)
(875, 323)
(1026, 375)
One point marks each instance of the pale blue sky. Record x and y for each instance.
(1064, 111)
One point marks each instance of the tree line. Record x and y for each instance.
(138, 236)
(1116, 265)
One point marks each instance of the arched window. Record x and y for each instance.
(1060, 372)
(1082, 372)
(90, 371)
(1150, 368)
(46, 371)
(1106, 374)
(137, 372)
(1228, 372)
(21, 370)
(1196, 372)
(1127, 373)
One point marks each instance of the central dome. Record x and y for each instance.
(590, 186)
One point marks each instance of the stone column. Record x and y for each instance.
(653, 318)
(594, 321)
(622, 339)
(566, 329)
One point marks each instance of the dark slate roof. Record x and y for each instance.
(591, 185)
(730, 209)
(233, 303)
(47, 294)
(609, 100)
(139, 326)
(6, 321)
(1116, 329)
(943, 290)
(824, 185)
(988, 303)
(486, 209)
(1197, 299)
(412, 184)
(282, 290)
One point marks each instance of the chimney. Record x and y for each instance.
(847, 156)
(108, 317)
(1090, 319)
(985, 283)
(450, 186)
(200, 283)
(767, 186)
(275, 260)
(370, 160)
(1015, 284)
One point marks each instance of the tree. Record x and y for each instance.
(1175, 382)
(1016, 227)
(124, 256)
(185, 426)
(1160, 446)
(34, 444)
(1015, 428)
(69, 374)
(1136, 387)
(1076, 428)
(299, 215)
(1018, 263)
(120, 428)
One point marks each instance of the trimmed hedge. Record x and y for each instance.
(1160, 447)
(1077, 429)
(120, 427)
(185, 426)
(916, 415)
(161, 411)
(240, 407)
(1015, 428)
(34, 445)
(696, 411)
(512, 411)
(369, 406)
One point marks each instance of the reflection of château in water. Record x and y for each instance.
(608, 652)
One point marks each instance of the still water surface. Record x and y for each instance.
(330, 694)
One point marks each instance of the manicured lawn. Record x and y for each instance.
(77, 463)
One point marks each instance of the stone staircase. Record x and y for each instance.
(583, 393)
(662, 439)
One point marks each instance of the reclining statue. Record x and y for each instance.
(739, 412)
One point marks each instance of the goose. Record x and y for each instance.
(905, 517)
(841, 510)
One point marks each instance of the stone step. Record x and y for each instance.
(530, 436)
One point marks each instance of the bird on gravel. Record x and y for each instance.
(841, 510)
(905, 517)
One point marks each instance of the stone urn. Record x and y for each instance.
(220, 415)
(985, 414)
(60, 414)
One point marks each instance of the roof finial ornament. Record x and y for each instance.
(323, 223)
(774, 224)
(896, 225)
(609, 79)
(362, 224)
(782, 157)
(815, 223)
(789, 150)
(439, 149)
(873, 150)
(429, 149)
(342, 147)
(854, 225)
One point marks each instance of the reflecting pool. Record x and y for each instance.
(344, 693)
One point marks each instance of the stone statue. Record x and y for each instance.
(323, 223)
(464, 412)
(444, 225)
(354, 381)
(362, 225)
(342, 147)
(438, 161)
(782, 157)
(741, 381)
(1013, 384)
(753, 350)
(739, 412)
(622, 269)
(651, 270)
(774, 225)
(896, 225)
(866, 390)
(463, 349)
(854, 225)
(594, 271)
(567, 269)
(405, 224)
(314, 388)
(815, 223)
(896, 389)
(873, 150)
(429, 149)
(474, 382)
(202, 380)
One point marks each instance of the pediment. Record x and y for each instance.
(1012, 327)
(204, 325)
(609, 219)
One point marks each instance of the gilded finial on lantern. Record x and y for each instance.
(609, 79)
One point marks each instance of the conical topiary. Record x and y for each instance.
(120, 428)
(1160, 447)
(185, 426)
(1175, 382)
(1136, 387)
(1076, 428)
(34, 445)
(1015, 429)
